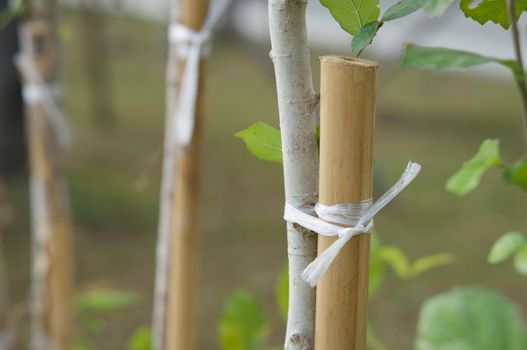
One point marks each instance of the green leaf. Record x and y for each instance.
(443, 59)
(436, 7)
(505, 246)
(491, 10)
(376, 266)
(365, 37)
(242, 325)
(15, 8)
(427, 263)
(517, 173)
(470, 318)
(282, 292)
(352, 15)
(141, 339)
(373, 342)
(397, 260)
(263, 141)
(520, 259)
(65, 32)
(105, 300)
(401, 9)
(469, 176)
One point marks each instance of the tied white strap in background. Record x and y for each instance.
(37, 91)
(191, 45)
(357, 217)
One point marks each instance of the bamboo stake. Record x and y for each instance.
(297, 102)
(175, 318)
(347, 108)
(52, 280)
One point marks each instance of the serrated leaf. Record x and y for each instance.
(491, 10)
(469, 176)
(470, 318)
(352, 15)
(427, 263)
(401, 9)
(436, 7)
(242, 325)
(443, 59)
(517, 174)
(263, 141)
(282, 292)
(505, 246)
(105, 300)
(365, 37)
(376, 266)
(398, 260)
(520, 259)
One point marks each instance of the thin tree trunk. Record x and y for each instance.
(297, 103)
(12, 143)
(95, 59)
(6, 333)
(52, 270)
(4, 295)
(175, 307)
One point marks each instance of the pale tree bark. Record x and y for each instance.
(52, 257)
(297, 102)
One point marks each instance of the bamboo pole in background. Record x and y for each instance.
(347, 108)
(179, 329)
(52, 256)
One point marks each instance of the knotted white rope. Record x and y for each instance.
(37, 91)
(356, 217)
(191, 46)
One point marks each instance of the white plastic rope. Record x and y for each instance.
(357, 218)
(191, 46)
(37, 91)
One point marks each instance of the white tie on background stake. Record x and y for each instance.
(192, 46)
(36, 91)
(357, 216)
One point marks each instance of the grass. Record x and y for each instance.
(435, 119)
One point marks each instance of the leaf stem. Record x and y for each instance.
(519, 76)
(379, 25)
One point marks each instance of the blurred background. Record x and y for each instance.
(113, 57)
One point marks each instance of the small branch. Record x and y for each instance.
(520, 75)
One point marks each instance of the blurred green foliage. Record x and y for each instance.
(470, 318)
(243, 325)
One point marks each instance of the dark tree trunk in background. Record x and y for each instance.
(12, 144)
(95, 57)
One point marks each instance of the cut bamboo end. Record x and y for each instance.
(347, 109)
(349, 61)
